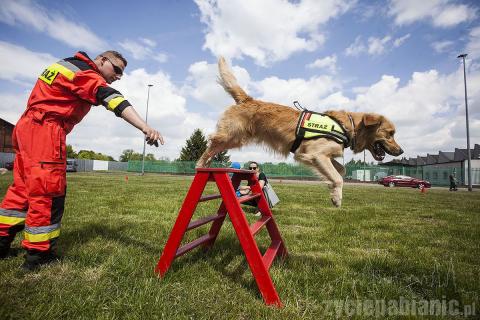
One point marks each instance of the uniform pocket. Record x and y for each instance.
(47, 179)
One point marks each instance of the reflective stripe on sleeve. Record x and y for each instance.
(114, 102)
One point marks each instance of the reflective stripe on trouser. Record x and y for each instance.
(11, 221)
(40, 234)
(41, 150)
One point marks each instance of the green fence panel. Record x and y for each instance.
(437, 175)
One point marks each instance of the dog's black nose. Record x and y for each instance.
(400, 151)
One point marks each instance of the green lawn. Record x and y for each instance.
(383, 244)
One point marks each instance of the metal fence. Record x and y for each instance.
(437, 175)
(82, 165)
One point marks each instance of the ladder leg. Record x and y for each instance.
(186, 212)
(248, 243)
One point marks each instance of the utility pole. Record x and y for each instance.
(144, 140)
(468, 130)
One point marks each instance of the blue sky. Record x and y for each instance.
(396, 58)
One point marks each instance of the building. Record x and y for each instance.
(6, 130)
(437, 168)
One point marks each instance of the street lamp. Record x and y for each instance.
(146, 121)
(468, 130)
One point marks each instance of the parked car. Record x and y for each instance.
(71, 166)
(9, 165)
(404, 181)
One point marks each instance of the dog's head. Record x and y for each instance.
(378, 136)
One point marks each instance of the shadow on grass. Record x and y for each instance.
(429, 283)
(71, 239)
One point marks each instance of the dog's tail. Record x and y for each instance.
(228, 81)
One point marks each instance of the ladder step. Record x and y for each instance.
(202, 221)
(270, 254)
(210, 197)
(248, 198)
(255, 227)
(189, 246)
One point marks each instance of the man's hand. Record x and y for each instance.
(152, 136)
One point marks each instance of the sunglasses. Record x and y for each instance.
(116, 68)
(252, 168)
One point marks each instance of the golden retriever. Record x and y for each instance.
(274, 125)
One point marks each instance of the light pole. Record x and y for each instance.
(468, 130)
(146, 121)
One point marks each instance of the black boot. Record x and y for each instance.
(5, 243)
(35, 259)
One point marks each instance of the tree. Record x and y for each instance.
(130, 155)
(92, 155)
(222, 157)
(194, 148)
(150, 157)
(70, 153)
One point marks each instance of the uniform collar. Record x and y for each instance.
(84, 57)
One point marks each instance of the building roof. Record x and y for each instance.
(441, 157)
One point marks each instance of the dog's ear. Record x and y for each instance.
(371, 119)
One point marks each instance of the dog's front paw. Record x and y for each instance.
(337, 202)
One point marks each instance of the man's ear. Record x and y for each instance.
(371, 119)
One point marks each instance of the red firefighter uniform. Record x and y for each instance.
(62, 96)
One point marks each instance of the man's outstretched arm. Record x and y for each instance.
(151, 135)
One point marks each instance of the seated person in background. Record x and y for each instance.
(242, 190)
(262, 180)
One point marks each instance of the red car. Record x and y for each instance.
(404, 181)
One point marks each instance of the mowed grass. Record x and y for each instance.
(384, 243)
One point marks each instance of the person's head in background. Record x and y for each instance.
(235, 165)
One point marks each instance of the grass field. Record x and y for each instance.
(383, 244)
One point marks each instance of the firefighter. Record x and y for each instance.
(61, 97)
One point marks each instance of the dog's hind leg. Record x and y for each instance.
(208, 155)
(217, 144)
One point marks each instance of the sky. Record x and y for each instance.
(397, 58)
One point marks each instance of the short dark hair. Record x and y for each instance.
(114, 54)
(254, 162)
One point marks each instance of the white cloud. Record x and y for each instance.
(473, 46)
(442, 46)
(143, 49)
(13, 105)
(329, 63)
(356, 48)
(439, 13)
(13, 66)
(32, 15)
(399, 41)
(202, 85)
(238, 28)
(375, 46)
(307, 92)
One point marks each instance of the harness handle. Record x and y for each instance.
(297, 105)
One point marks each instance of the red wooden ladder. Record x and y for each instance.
(259, 264)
